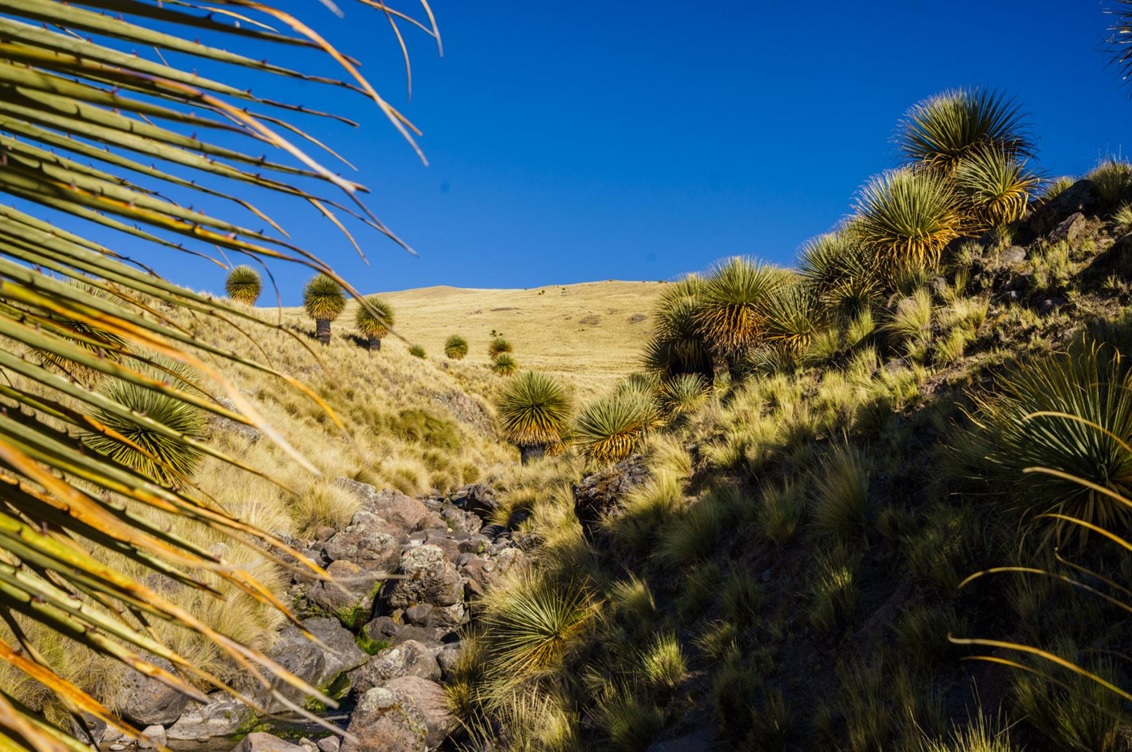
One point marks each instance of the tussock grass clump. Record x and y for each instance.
(455, 347)
(663, 666)
(944, 130)
(373, 321)
(1123, 216)
(1069, 414)
(497, 347)
(418, 351)
(841, 494)
(782, 511)
(632, 599)
(323, 300)
(610, 428)
(978, 735)
(906, 218)
(1057, 186)
(693, 536)
(834, 593)
(1113, 179)
(535, 412)
(323, 505)
(504, 365)
(243, 285)
(159, 437)
(632, 725)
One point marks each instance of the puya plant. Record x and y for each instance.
(243, 285)
(534, 411)
(80, 87)
(323, 300)
(374, 322)
(455, 347)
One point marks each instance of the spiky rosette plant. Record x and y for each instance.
(793, 318)
(683, 394)
(243, 285)
(535, 412)
(676, 346)
(994, 189)
(942, 131)
(374, 321)
(498, 346)
(504, 364)
(160, 437)
(611, 427)
(324, 301)
(1069, 416)
(731, 315)
(841, 274)
(455, 347)
(906, 218)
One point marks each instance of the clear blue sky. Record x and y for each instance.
(630, 140)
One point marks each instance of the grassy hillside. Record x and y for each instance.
(588, 333)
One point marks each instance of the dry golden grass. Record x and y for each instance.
(589, 334)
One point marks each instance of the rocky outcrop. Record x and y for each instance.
(147, 702)
(386, 721)
(261, 742)
(596, 494)
(221, 716)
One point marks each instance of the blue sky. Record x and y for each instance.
(630, 140)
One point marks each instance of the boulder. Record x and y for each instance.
(147, 702)
(399, 510)
(388, 630)
(1117, 259)
(223, 715)
(384, 721)
(448, 659)
(428, 577)
(477, 498)
(596, 494)
(261, 742)
(152, 737)
(1013, 255)
(1069, 229)
(430, 700)
(368, 543)
(317, 665)
(329, 744)
(349, 596)
(1082, 197)
(409, 658)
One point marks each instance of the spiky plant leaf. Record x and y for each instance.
(731, 314)
(1121, 37)
(504, 365)
(943, 130)
(906, 218)
(455, 347)
(792, 319)
(498, 346)
(534, 409)
(243, 285)
(994, 189)
(610, 428)
(676, 346)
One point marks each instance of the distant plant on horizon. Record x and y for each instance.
(611, 427)
(944, 130)
(504, 364)
(417, 351)
(324, 301)
(244, 285)
(535, 412)
(455, 347)
(498, 346)
(373, 320)
(906, 218)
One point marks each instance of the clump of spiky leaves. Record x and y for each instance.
(1060, 420)
(497, 347)
(455, 347)
(323, 300)
(677, 346)
(243, 285)
(504, 364)
(731, 315)
(663, 665)
(611, 427)
(1121, 39)
(841, 494)
(531, 623)
(946, 129)
(994, 189)
(534, 411)
(906, 218)
(1057, 186)
(792, 319)
(841, 273)
(79, 332)
(978, 735)
(683, 394)
(374, 319)
(1113, 180)
(159, 438)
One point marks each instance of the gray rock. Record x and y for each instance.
(429, 698)
(409, 658)
(1069, 229)
(428, 578)
(316, 665)
(1015, 254)
(223, 715)
(308, 745)
(152, 736)
(329, 744)
(227, 425)
(1082, 196)
(596, 494)
(477, 498)
(370, 545)
(448, 659)
(385, 721)
(349, 596)
(399, 510)
(147, 702)
(261, 742)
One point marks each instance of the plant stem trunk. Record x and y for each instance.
(322, 330)
(374, 343)
(531, 452)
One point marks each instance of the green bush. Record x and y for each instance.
(417, 351)
(504, 365)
